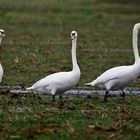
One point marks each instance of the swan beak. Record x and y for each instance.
(2, 35)
(72, 38)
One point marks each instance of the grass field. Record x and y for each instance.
(30, 117)
(37, 43)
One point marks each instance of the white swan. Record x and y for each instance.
(119, 77)
(1, 69)
(59, 82)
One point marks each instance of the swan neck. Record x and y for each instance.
(135, 45)
(74, 59)
(0, 40)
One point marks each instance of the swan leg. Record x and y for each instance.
(122, 101)
(123, 96)
(106, 93)
(60, 97)
(53, 98)
(53, 95)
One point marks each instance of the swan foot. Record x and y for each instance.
(106, 95)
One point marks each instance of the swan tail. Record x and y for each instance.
(91, 84)
(88, 84)
(29, 88)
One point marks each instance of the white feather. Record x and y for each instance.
(59, 82)
(1, 68)
(120, 77)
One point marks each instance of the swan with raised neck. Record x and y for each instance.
(1, 68)
(121, 76)
(60, 82)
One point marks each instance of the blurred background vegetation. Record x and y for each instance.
(37, 41)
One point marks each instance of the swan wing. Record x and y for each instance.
(57, 80)
(121, 72)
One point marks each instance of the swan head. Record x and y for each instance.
(136, 27)
(2, 33)
(74, 35)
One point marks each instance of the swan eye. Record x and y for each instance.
(2, 32)
(73, 34)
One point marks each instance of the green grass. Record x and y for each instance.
(29, 116)
(37, 34)
(37, 43)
